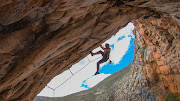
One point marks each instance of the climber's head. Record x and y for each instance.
(107, 45)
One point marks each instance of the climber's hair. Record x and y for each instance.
(107, 45)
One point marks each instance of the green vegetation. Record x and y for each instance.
(172, 97)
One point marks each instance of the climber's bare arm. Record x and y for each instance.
(106, 49)
(102, 47)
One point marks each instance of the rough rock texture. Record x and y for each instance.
(160, 37)
(42, 38)
(136, 82)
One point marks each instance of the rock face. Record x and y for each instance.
(42, 38)
(160, 38)
(136, 82)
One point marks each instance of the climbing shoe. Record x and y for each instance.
(91, 53)
(96, 73)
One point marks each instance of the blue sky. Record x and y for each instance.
(112, 68)
(125, 61)
(122, 51)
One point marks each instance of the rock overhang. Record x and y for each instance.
(41, 39)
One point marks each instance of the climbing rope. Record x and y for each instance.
(72, 74)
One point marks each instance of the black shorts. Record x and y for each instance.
(105, 57)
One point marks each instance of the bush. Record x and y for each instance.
(172, 97)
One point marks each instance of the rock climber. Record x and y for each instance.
(105, 55)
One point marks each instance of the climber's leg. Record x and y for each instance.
(98, 65)
(99, 52)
